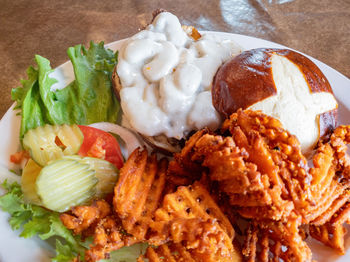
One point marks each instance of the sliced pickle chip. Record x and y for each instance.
(29, 175)
(65, 183)
(48, 143)
(106, 173)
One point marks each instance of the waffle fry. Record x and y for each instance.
(195, 234)
(255, 168)
(192, 202)
(261, 169)
(139, 191)
(176, 253)
(195, 240)
(259, 166)
(172, 253)
(190, 217)
(330, 235)
(275, 241)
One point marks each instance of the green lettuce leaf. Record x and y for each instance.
(35, 220)
(88, 99)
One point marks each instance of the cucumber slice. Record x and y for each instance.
(29, 175)
(106, 173)
(65, 183)
(47, 143)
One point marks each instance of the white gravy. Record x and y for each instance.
(166, 78)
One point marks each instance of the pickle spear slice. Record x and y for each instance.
(65, 183)
(47, 143)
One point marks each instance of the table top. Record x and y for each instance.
(318, 28)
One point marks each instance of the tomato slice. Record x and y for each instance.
(100, 144)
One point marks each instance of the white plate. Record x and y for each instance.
(14, 249)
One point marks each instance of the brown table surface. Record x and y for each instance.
(320, 28)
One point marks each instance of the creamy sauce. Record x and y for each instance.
(294, 105)
(166, 78)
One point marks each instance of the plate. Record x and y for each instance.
(14, 249)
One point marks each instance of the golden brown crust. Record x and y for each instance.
(247, 79)
(237, 84)
(275, 241)
(139, 191)
(260, 167)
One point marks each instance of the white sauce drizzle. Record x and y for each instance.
(166, 78)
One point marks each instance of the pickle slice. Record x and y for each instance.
(47, 143)
(106, 173)
(65, 183)
(29, 175)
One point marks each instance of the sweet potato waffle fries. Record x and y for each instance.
(250, 176)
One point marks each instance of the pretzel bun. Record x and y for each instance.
(281, 83)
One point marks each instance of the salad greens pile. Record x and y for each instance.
(88, 99)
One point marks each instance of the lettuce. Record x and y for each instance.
(127, 254)
(88, 99)
(34, 220)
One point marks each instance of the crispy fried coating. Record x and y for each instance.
(330, 235)
(193, 201)
(98, 221)
(107, 237)
(331, 190)
(189, 217)
(193, 239)
(82, 217)
(258, 165)
(275, 241)
(139, 191)
(168, 253)
(205, 237)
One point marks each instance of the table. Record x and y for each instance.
(320, 28)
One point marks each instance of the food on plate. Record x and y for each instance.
(240, 188)
(64, 179)
(283, 84)
(200, 241)
(100, 144)
(143, 212)
(282, 241)
(260, 168)
(29, 175)
(69, 181)
(139, 191)
(88, 99)
(253, 165)
(163, 78)
(32, 220)
(50, 142)
(65, 183)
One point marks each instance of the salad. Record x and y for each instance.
(55, 128)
